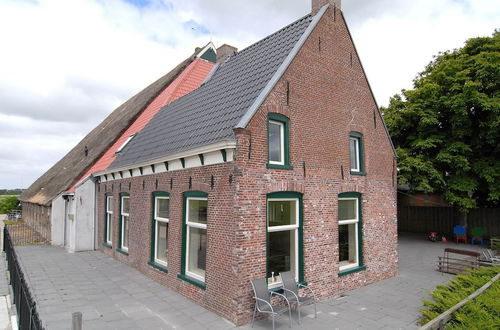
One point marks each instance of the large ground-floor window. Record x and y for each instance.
(108, 225)
(284, 236)
(159, 239)
(124, 221)
(350, 232)
(195, 236)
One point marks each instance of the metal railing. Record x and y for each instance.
(27, 314)
(14, 215)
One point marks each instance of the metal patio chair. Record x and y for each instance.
(489, 256)
(263, 296)
(291, 291)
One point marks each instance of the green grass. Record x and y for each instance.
(483, 312)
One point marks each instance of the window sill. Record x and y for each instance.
(363, 173)
(191, 280)
(352, 270)
(122, 251)
(158, 266)
(109, 246)
(280, 167)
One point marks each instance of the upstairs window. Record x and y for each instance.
(278, 142)
(356, 157)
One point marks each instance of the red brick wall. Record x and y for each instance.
(217, 295)
(329, 97)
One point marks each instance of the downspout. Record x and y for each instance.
(65, 219)
(94, 179)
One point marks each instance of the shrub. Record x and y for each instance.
(483, 312)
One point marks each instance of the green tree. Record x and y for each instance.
(446, 129)
(8, 203)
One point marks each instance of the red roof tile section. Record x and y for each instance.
(190, 79)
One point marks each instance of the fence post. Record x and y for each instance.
(77, 321)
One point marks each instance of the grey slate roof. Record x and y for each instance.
(209, 114)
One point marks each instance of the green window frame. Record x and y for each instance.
(356, 154)
(192, 229)
(108, 221)
(124, 224)
(352, 223)
(282, 123)
(295, 228)
(157, 221)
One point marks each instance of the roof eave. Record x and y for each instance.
(281, 70)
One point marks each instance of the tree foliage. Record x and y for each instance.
(8, 203)
(446, 129)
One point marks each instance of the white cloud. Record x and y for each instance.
(66, 64)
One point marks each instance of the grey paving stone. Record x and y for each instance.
(113, 296)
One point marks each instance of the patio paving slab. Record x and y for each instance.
(111, 295)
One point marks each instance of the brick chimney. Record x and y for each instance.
(317, 4)
(224, 51)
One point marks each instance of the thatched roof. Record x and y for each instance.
(75, 163)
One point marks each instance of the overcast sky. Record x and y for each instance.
(66, 64)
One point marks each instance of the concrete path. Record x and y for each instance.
(112, 295)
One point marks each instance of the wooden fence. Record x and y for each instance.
(423, 219)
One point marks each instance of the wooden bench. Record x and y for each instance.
(456, 261)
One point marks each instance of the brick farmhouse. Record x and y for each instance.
(279, 161)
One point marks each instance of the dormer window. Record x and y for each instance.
(125, 143)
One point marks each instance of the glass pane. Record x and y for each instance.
(125, 205)
(125, 232)
(109, 228)
(275, 142)
(347, 209)
(109, 203)
(162, 206)
(281, 254)
(197, 254)
(353, 147)
(161, 241)
(282, 213)
(197, 211)
(348, 245)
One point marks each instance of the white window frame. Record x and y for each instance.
(160, 219)
(122, 220)
(356, 149)
(271, 229)
(109, 220)
(356, 234)
(190, 225)
(282, 142)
